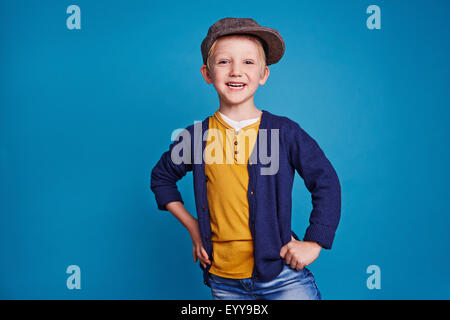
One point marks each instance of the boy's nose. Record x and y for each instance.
(235, 70)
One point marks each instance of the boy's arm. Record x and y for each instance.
(322, 181)
(165, 175)
(191, 224)
(163, 183)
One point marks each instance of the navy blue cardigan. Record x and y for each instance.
(269, 196)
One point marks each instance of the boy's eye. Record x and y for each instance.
(225, 61)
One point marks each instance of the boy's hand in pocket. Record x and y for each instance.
(299, 254)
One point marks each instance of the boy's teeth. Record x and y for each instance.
(235, 85)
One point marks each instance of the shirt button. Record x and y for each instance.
(235, 142)
(235, 151)
(251, 163)
(251, 192)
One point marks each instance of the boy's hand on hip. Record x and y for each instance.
(299, 254)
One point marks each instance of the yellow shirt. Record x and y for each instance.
(226, 158)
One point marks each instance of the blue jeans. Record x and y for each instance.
(290, 284)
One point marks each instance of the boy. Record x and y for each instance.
(243, 237)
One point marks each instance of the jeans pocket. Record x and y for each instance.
(310, 278)
(303, 280)
(304, 270)
(211, 277)
(304, 275)
(218, 279)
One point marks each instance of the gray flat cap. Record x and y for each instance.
(273, 43)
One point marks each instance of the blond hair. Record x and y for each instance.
(246, 36)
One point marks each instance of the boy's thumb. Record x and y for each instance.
(283, 251)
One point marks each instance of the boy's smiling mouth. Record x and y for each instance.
(235, 86)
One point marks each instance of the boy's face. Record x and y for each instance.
(237, 69)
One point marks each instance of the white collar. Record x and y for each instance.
(238, 124)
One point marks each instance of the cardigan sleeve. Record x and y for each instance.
(166, 173)
(321, 180)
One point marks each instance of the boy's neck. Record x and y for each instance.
(240, 112)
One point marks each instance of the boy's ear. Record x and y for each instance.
(264, 77)
(206, 74)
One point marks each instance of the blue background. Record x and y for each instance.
(86, 114)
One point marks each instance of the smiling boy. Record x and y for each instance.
(243, 237)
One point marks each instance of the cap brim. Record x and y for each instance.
(275, 43)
